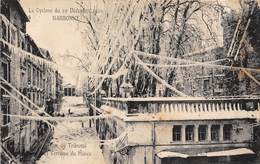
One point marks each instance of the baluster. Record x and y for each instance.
(185, 107)
(182, 108)
(205, 107)
(225, 107)
(230, 106)
(188, 108)
(152, 106)
(177, 107)
(162, 107)
(209, 107)
(192, 107)
(196, 107)
(146, 108)
(221, 106)
(121, 106)
(217, 107)
(140, 108)
(213, 107)
(234, 106)
(238, 106)
(202, 107)
(171, 108)
(167, 108)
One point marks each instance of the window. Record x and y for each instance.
(227, 132)
(176, 133)
(73, 92)
(5, 8)
(202, 132)
(4, 31)
(206, 85)
(5, 71)
(5, 111)
(189, 131)
(41, 78)
(29, 74)
(221, 85)
(215, 132)
(34, 77)
(13, 37)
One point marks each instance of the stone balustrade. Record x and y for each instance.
(173, 105)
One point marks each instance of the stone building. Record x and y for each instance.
(202, 80)
(26, 72)
(168, 130)
(69, 90)
(240, 49)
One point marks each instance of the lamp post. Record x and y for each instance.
(126, 89)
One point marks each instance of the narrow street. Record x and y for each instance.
(71, 142)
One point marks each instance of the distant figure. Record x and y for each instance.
(49, 106)
(82, 124)
(69, 112)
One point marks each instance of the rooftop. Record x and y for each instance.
(20, 9)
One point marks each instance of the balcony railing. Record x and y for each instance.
(173, 105)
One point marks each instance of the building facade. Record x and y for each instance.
(200, 80)
(240, 49)
(177, 130)
(28, 78)
(69, 90)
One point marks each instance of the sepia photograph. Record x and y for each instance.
(130, 81)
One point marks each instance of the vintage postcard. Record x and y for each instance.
(130, 81)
